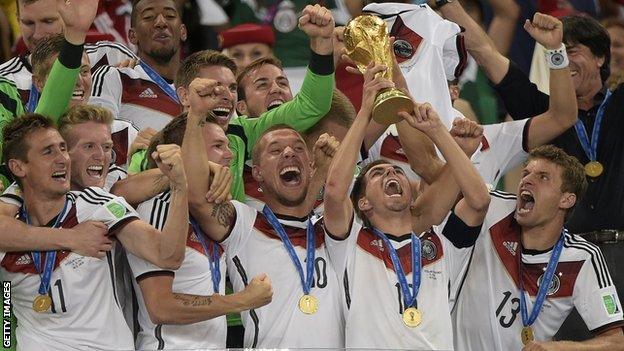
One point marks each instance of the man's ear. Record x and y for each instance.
(257, 174)
(364, 205)
(132, 37)
(241, 108)
(182, 93)
(17, 167)
(567, 201)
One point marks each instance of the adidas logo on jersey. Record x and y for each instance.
(23, 260)
(512, 246)
(378, 243)
(148, 93)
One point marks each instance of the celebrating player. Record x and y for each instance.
(375, 235)
(527, 272)
(185, 308)
(61, 298)
(281, 240)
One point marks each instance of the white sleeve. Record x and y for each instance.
(12, 195)
(152, 212)
(95, 204)
(245, 219)
(107, 53)
(141, 267)
(340, 249)
(106, 89)
(504, 150)
(595, 297)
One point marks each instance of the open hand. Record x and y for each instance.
(90, 239)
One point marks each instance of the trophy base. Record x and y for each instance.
(388, 103)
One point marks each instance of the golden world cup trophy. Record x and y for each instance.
(366, 40)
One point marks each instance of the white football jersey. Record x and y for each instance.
(252, 248)
(19, 70)
(487, 313)
(193, 277)
(130, 94)
(122, 134)
(429, 51)
(373, 297)
(85, 312)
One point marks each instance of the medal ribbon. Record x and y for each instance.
(591, 147)
(544, 285)
(306, 282)
(213, 260)
(160, 81)
(409, 298)
(33, 99)
(45, 272)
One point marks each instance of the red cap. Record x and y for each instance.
(555, 8)
(246, 33)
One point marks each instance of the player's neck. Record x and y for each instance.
(166, 70)
(395, 223)
(42, 208)
(293, 211)
(542, 237)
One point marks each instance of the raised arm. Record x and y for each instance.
(338, 211)
(503, 24)
(215, 218)
(478, 43)
(562, 111)
(77, 18)
(164, 249)
(313, 101)
(439, 198)
(167, 307)
(324, 150)
(141, 186)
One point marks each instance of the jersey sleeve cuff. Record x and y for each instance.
(113, 230)
(460, 234)
(154, 274)
(323, 65)
(607, 327)
(71, 55)
(525, 135)
(337, 238)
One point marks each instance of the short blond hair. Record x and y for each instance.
(82, 114)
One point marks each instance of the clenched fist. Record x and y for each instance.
(258, 292)
(168, 157)
(468, 135)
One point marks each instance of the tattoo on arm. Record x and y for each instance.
(224, 213)
(193, 300)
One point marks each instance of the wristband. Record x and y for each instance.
(558, 58)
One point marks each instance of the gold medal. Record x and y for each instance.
(412, 317)
(42, 303)
(594, 169)
(308, 304)
(527, 335)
